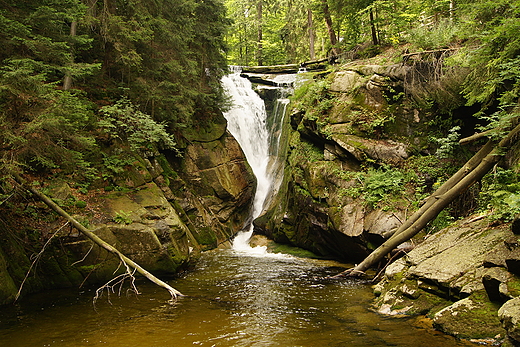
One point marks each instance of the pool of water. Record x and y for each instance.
(233, 299)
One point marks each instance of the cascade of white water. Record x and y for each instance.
(247, 122)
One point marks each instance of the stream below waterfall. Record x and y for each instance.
(233, 299)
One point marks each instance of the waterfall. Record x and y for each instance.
(259, 138)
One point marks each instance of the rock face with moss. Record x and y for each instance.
(351, 175)
(160, 210)
(463, 277)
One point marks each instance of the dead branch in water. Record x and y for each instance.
(118, 281)
(36, 259)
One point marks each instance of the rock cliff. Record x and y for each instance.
(343, 123)
(161, 210)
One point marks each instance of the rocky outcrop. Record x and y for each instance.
(459, 277)
(160, 210)
(332, 137)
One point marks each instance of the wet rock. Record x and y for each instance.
(8, 288)
(509, 315)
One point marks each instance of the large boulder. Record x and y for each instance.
(509, 315)
(450, 278)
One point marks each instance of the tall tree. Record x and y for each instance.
(312, 34)
(259, 23)
(330, 27)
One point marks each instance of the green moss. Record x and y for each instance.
(429, 304)
(88, 268)
(478, 320)
(206, 237)
(295, 251)
(168, 172)
(513, 286)
(81, 204)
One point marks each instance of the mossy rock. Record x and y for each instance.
(7, 287)
(205, 236)
(470, 318)
(59, 189)
(206, 131)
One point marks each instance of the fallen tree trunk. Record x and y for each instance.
(470, 173)
(97, 240)
(272, 69)
(288, 68)
(446, 186)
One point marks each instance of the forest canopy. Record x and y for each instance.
(63, 61)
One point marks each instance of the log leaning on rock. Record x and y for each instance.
(96, 239)
(471, 172)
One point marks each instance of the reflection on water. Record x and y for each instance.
(233, 300)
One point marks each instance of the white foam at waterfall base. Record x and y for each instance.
(247, 123)
(241, 245)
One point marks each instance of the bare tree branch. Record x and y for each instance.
(36, 259)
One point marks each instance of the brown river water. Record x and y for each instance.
(233, 299)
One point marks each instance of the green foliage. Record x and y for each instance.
(45, 127)
(494, 27)
(306, 150)
(501, 194)
(166, 55)
(377, 187)
(316, 100)
(443, 220)
(123, 217)
(379, 184)
(116, 163)
(448, 144)
(125, 122)
(80, 204)
(435, 36)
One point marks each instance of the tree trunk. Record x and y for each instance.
(97, 240)
(259, 10)
(470, 173)
(449, 184)
(310, 24)
(67, 80)
(330, 27)
(375, 39)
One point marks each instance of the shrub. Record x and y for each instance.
(124, 121)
